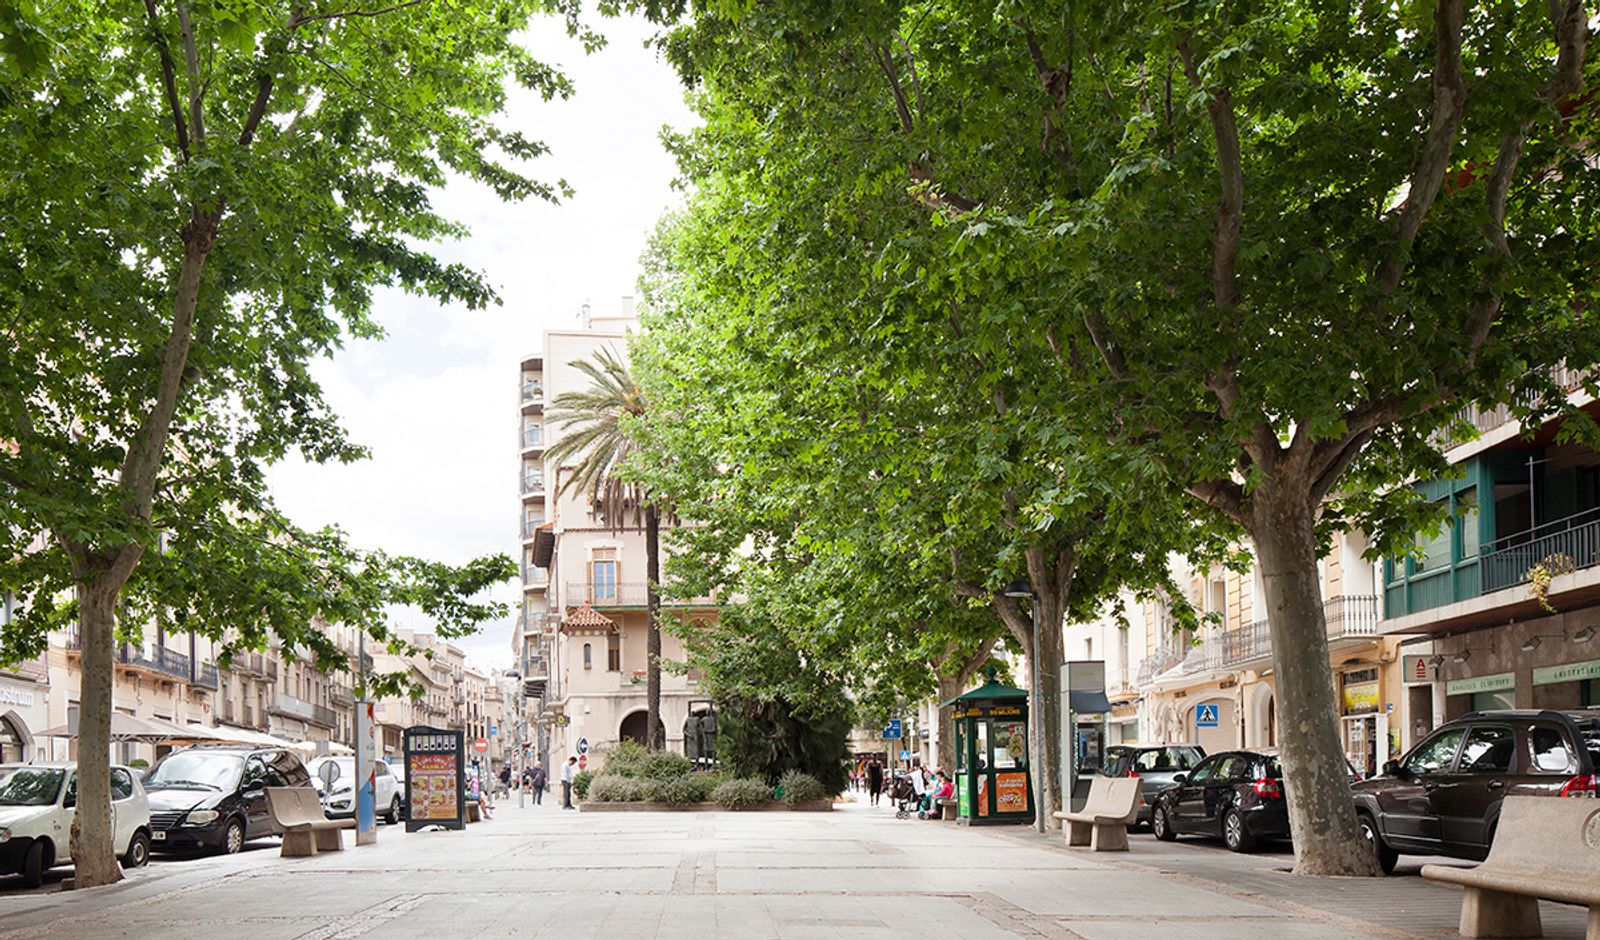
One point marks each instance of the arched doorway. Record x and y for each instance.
(1261, 726)
(634, 728)
(15, 740)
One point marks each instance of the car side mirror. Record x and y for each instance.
(1179, 778)
(1393, 768)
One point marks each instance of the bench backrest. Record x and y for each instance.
(1548, 833)
(295, 806)
(1113, 796)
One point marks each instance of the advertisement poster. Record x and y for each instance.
(433, 786)
(1011, 793)
(983, 794)
(1010, 744)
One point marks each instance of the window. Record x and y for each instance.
(1488, 750)
(1206, 770)
(614, 653)
(1551, 752)
(121, 784)
(1235, 767)
(1088, 647)
(255, 773)
(1467, 521)
(603, 574)
(1434, 551)
(1437, 754)
(588, 656)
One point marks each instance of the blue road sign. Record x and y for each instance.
(1205, 716)
(894, 730)
(494, 730)
(583, 745)
(905, 755)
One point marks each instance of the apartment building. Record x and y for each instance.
(581, 639)
(1501, 609)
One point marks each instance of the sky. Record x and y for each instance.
(436, 399)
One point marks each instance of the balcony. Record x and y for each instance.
(532, 393)
(341, 696)
(1564, 546)
(531, 526)
(1485, 421)
(535, 577)
(533, 437)
(1349, 617)
(205, 676)
(627, 594)
(531, 484)
(291, 707)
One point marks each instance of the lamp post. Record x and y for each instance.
(522, 792)
(1019, 590)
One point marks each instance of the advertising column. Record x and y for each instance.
(366, 774)
(435, 764)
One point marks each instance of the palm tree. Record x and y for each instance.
(601, 428)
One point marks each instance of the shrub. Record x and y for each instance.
(741, 794)
(704, 784)
(580, 783)
(626, 759)
(664, 765)
(614, 789)
(674, 791)
(797, 787)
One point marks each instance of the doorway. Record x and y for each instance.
(634, 728)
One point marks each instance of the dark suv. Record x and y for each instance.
(1443, 797)
(213, 796)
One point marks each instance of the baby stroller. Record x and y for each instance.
(906, 794)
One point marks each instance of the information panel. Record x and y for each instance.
(435, 788)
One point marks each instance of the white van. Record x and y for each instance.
(36, 806)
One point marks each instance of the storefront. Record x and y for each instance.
(23, 713)
(1363, 727)
(1575, 685)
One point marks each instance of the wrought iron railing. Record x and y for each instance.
(626, 594)
(305, 711)
(1562, 546)
(1346, 616)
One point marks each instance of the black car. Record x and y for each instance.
(1443, 797)
(213, 796)
(1237, 795)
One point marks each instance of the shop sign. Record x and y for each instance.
(1415, 670)
(11, 695)
(1571, 672)
(1495, 683)
(1361, 697)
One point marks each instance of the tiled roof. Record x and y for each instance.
(586, 617)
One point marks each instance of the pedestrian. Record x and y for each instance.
(875, 781)
(537, 780)
(505, 781)
(567, 771)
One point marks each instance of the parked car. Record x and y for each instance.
(397, 769)
(37, 803)
(213, 796)
(335, 777)
(1443, 797)
(1155, 765)
(1237, 795)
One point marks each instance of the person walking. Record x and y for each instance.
(537, 780)
(567, 771)
(875, 781)
(505, 781)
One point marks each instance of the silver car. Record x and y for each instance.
(1154, 764)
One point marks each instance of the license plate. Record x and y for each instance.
(159, 836)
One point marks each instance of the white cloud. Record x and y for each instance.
(436, 400)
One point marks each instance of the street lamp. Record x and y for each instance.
(522, 791)
(1018, 590)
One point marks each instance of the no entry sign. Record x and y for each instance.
(480, 745)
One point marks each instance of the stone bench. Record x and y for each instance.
(946, 808)
(306, 829)
(1544, 847)
(474, 811)
(1102, 824)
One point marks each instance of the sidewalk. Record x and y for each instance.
(856, 872)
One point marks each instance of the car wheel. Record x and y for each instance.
(1234, 832)
(138, 854)
(1386, 856)
(393, 815)
(232, 838)
(33, 864)
(1161, 825)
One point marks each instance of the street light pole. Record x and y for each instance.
(522, 760)
(1019, 590)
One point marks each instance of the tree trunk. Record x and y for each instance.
(949, 688)
(1044, 718)
(1322, 814)
(93, 854)
(657, 731)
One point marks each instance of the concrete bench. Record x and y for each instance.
(1102, 824)
(1544, 847)
(306, 829)
(474, 811)
(946, 808)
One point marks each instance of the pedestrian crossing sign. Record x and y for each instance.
(1205, 716)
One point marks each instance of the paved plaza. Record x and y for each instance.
(857, 872)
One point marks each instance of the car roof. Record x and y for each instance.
(55, 765)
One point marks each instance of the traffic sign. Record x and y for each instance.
(894, 730)
(905, 755)
(583, 746)
(1205, 716)
(480, 745)
(583, 761)
(494, 730)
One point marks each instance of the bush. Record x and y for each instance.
(674, 791)
(580, 783)
(614, 789)
(769, 739)
(741, 794)
(626, 759)
(797, 787)
(704, 784)
(663, 765)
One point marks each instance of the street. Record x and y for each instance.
(856, 872)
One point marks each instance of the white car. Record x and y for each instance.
(36, 806)
(334, 778)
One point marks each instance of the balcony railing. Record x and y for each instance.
(1348, 616)
(341, 696)
(531, 526)
(625, 594)
(293, 707)
(532, 484)
(205, 676)
(1563, 546)
(534, 576)
(532, 392)
(1485, 421)
(533, 436)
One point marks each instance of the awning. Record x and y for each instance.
(1090, 702)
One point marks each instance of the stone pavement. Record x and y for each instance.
(856, 872)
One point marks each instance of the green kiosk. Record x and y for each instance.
(993, 785)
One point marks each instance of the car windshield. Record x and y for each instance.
(30, 786)
(196, 770)
(1167, 760)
